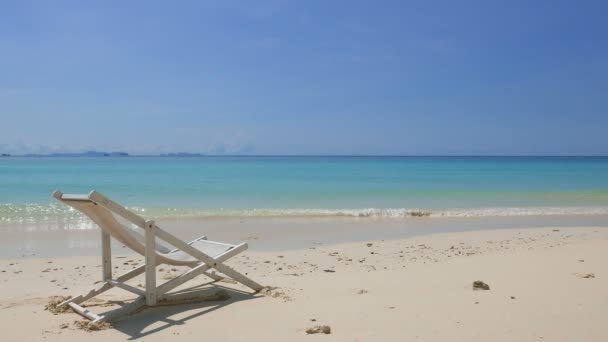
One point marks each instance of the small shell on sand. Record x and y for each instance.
(318, 329)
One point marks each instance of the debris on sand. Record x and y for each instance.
(318, 329)
(419, 213)
(275, 293)
(585, 275)
(369, 244)
(480, 285)
(362, 291)
(329, 271)
(54, 302)
(88, 326)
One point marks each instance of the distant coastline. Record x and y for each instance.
(98, 154)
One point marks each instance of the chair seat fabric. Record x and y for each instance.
(211, 248)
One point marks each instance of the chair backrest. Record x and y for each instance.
(106, 214)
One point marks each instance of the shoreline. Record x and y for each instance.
(399, 289)
(269, 234)
(54, 213)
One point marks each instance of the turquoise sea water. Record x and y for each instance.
(308, 186)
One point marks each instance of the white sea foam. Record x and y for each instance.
(378, 212)
(406, 212)
(54, 216)
(529, 211)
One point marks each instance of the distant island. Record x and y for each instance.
(182, 155)
(81, 154)
(98, 154)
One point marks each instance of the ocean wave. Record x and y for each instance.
(56, 216)
(530, 211)
(276, 212)
(377, 212)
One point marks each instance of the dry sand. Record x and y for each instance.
(546, 284)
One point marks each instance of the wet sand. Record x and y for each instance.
(274, 233)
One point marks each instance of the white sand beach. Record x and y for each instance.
(303, 171)
(546, 284)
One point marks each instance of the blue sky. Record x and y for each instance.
(305, 77)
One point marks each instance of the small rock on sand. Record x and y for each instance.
(317, 329)
(480, 285)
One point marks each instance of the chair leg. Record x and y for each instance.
(150, 264)
(106, 256)
(104, 287)
(122, 311)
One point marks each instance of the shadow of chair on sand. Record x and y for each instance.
(203, 300)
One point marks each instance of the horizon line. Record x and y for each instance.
(201, 155)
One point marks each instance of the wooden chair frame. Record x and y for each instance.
(152, 293)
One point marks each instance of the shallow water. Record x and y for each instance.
(304, 187)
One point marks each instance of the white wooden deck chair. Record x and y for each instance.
(201, 255)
